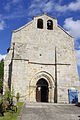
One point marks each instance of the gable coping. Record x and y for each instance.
(38, 16)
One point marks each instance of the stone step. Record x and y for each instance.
(50, 104)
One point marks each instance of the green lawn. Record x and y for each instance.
(12, 116)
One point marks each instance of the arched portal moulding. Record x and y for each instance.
(49, 79)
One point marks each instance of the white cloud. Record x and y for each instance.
(60, 8)
(73, 6)
(60, 1)
(9, 4)
(78, 57)
(15, 1)
(36, 7)
(2, 57)
(2, 25)
(7, 7)
(39, 6)
(48, 6)
(73, 27)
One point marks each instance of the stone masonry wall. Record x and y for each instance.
(34, 51)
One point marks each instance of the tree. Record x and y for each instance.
(1, 75)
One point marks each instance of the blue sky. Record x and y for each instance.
(16, 13)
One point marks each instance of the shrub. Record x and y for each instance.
(1, 85)
(7, 94)
(17, 97)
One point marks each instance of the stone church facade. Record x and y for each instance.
(41, 62)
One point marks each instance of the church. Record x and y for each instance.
(41, 62)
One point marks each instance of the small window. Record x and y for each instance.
(40, 23)
(50, 25)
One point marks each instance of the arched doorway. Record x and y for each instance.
(42, 90)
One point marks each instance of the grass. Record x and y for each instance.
(12, 116)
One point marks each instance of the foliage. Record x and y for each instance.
(1, 85)
(12, 93)
(1, 75)
(17, 97)
(9, 94)
(8, 108)
(1, 69)
(10, 116)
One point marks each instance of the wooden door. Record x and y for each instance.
(38, 93)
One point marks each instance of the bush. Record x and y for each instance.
(1, 75)
(1, 85)
(2, 106)
(17, 97)
(7, 94)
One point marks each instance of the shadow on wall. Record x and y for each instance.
(10, 75)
